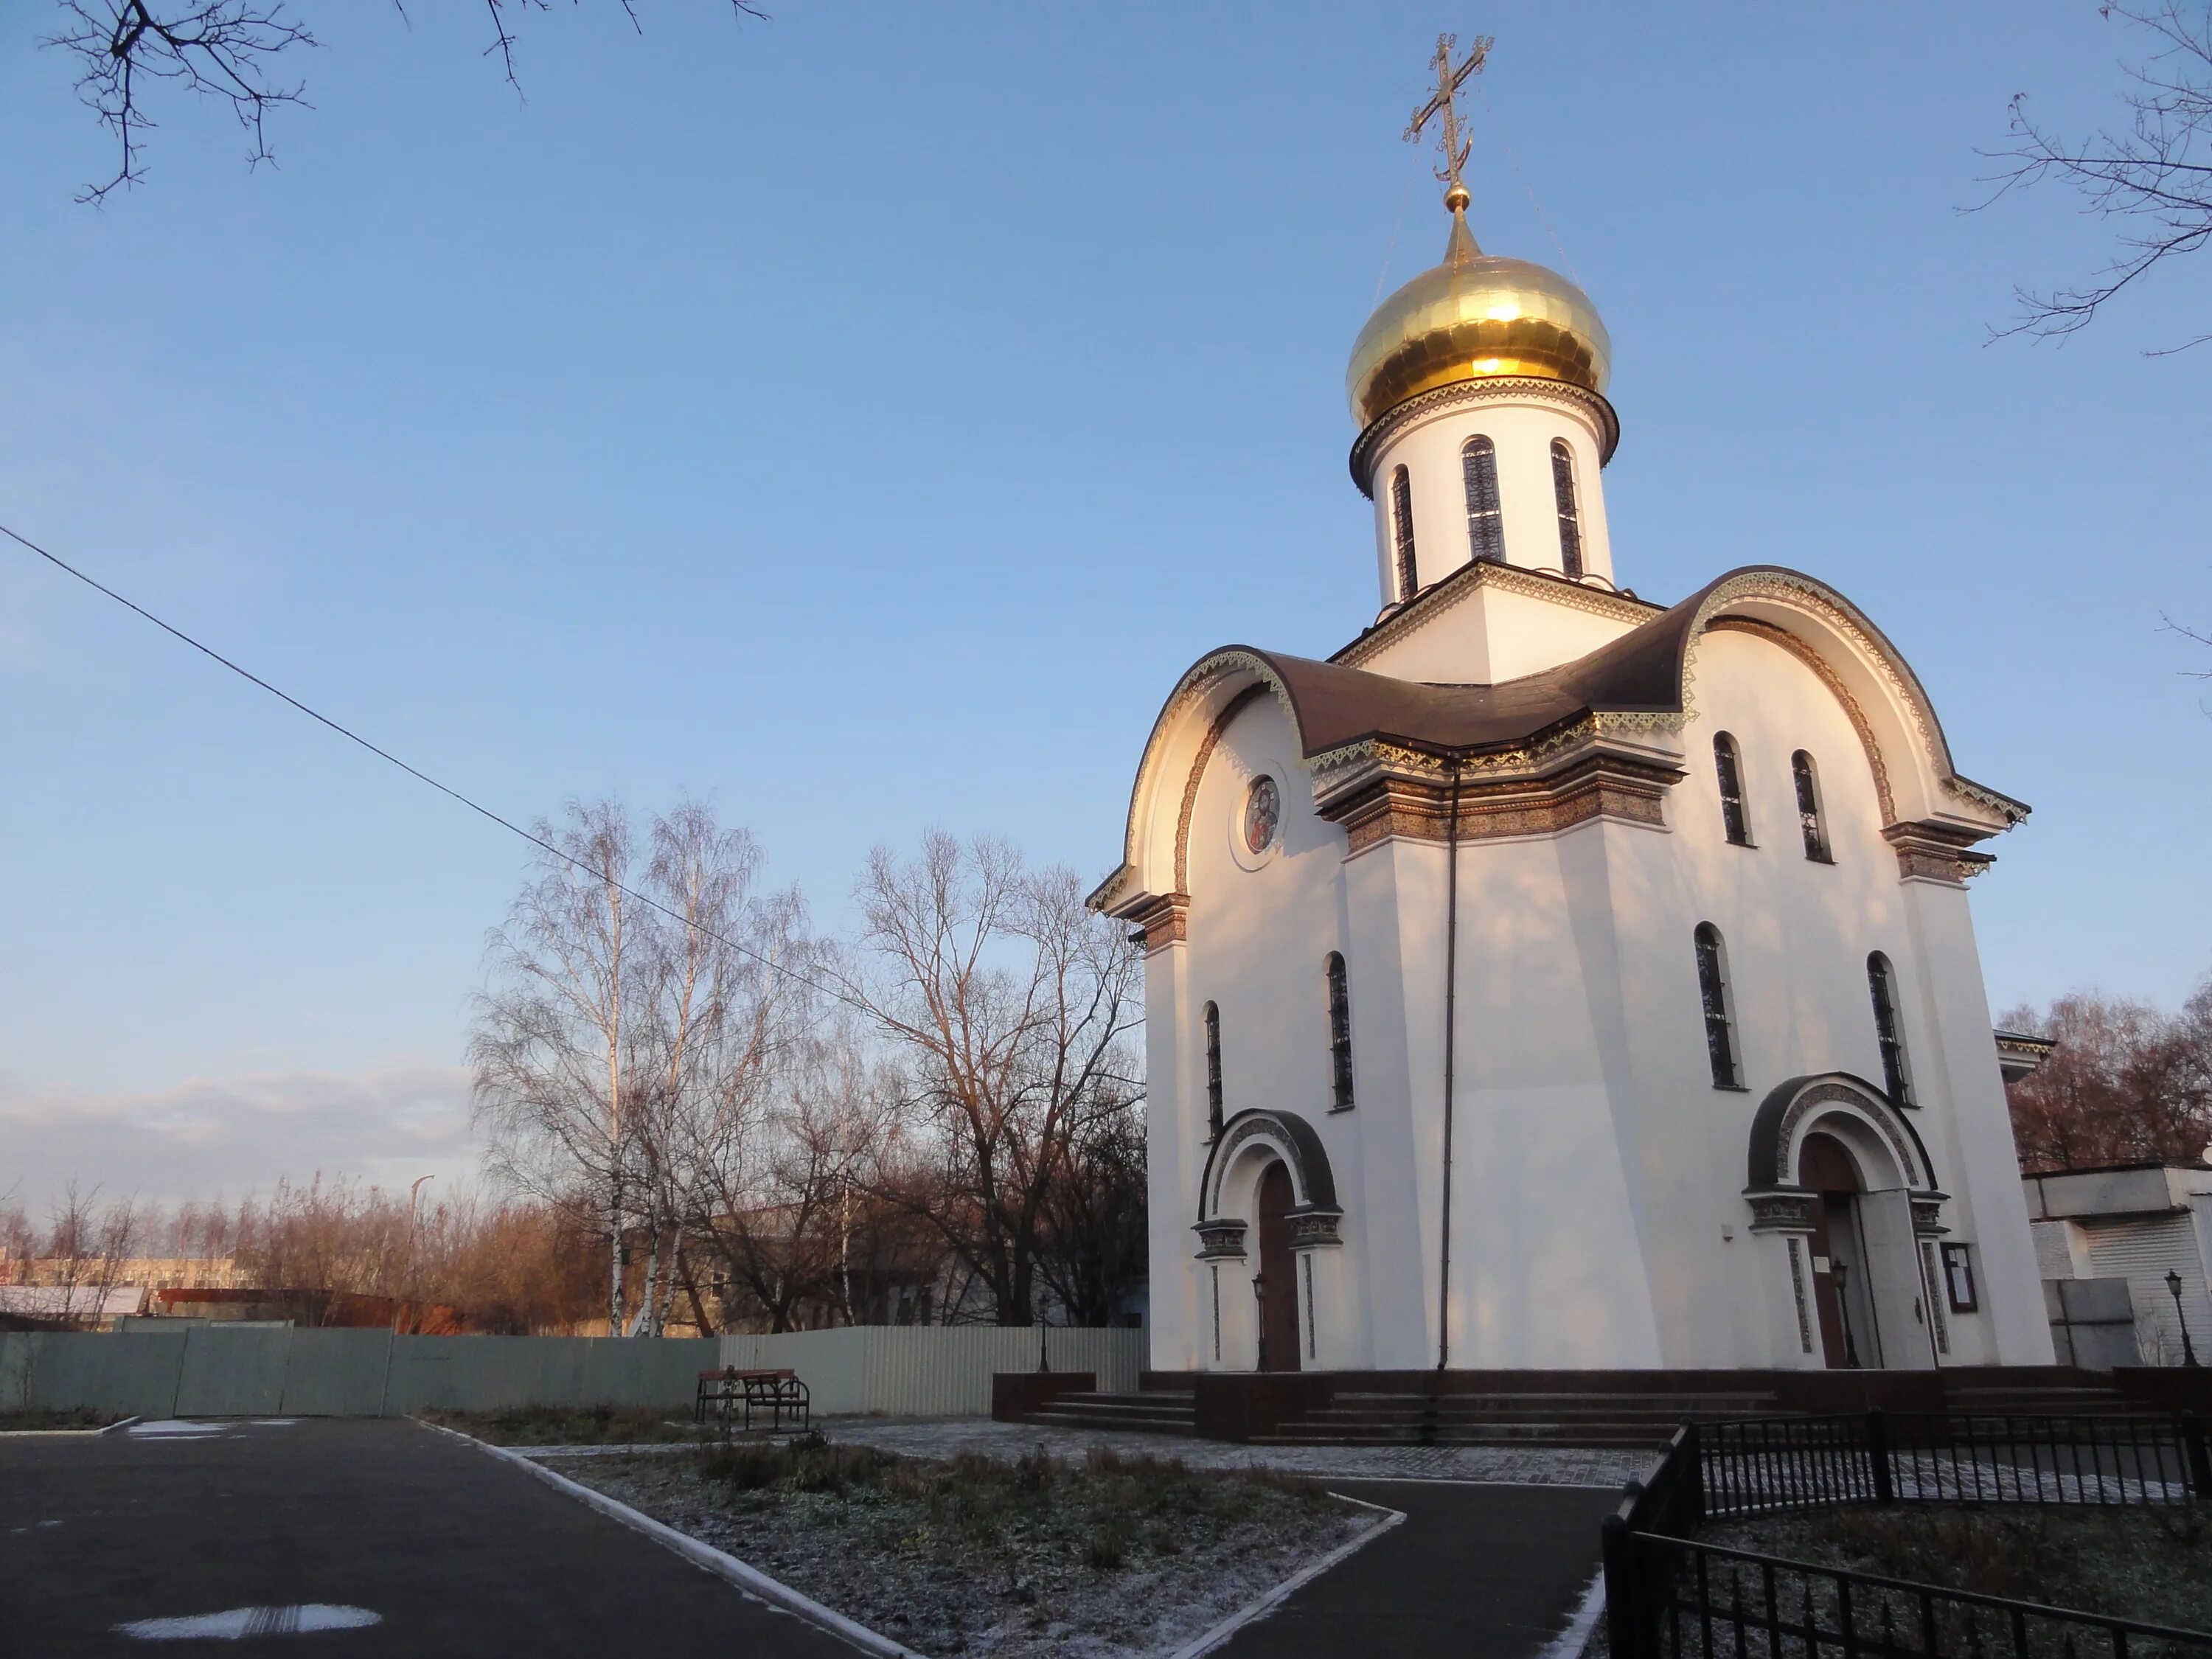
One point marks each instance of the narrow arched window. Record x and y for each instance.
(1728, 770)
(1213, 1072)
(1808, 808)
(1896, 1073)
(1402, 532)
(1486, 526)
(1339, 1034)
(1563, 492)
(1719, 1024)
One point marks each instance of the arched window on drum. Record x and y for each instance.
(1402, 532)
(1485, 523)
(1571, 517)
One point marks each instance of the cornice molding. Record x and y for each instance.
(1517, 388)
(1937, 852)
(1393, 804)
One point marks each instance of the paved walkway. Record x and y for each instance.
(455, 1552)
(1477, 1572)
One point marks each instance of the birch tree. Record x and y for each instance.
(640, 1006)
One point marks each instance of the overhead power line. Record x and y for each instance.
(509, 824)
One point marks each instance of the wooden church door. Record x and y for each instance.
(1846, 1341)
(1278, 1283)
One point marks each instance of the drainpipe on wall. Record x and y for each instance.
(1451, 1030)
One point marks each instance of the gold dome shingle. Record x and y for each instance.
(1473, 318)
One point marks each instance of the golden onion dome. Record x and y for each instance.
(1473, 318)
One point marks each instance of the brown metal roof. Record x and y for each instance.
(1640, 673)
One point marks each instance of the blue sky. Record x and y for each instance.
(858, 419)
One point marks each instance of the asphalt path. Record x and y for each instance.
(455, 1552)
(1474, 1571)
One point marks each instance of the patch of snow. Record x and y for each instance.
(235, 1624)
(176, 1428)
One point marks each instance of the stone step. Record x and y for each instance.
(1474, 1434)
(1162, 1425)
(1565, 1401)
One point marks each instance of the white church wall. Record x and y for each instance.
(1543, 1218)
(2011, 1326)
(1175, 1101)
(1393, 898)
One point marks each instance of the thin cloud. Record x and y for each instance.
(228, 1135)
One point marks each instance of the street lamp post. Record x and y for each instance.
(1042, 1365)
(414, 1199)
(2173, 1289)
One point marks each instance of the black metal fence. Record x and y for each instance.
(1880, 1457)
(1670, 1597)
(1701, 1601)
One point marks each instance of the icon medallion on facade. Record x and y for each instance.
(1263, 811)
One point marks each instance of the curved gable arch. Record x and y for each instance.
(1896, 722)
(1155, 844)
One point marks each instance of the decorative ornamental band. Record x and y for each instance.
(1520, 388)
(1781, 1210)
(1220, 1240)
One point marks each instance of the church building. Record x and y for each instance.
(1551, 978)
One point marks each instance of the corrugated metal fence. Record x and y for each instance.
(209, 1371)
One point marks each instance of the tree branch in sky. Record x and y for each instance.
(233, 51)
(2155, 178)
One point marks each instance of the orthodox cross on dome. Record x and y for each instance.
(1449, 79)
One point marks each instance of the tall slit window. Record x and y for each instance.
(1213, 1072)
(1808, 808)
(1339, 1035)
(1563, 492)
(1713, 992)
(1486, 524)
(1728, 770)
(1402, 532)
(1896, 1073)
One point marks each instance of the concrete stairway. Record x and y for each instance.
(1606, 1418)
(2045, 1401)
(1157, 1411)
(1593, 1414)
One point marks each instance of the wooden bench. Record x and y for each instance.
(731, 1392)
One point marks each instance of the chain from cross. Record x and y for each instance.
(1445, 103)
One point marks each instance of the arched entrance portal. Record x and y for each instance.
(1266, 1209)
(1842, 1187)
(1276, 1285)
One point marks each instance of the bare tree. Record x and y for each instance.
(632, 1012)
(2128, 1083)
(1007, 1005)
(1093, 1247)
(87, 1247)
(554, 1051)
(783, 1187)
(237, 52)
(2155, 178)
